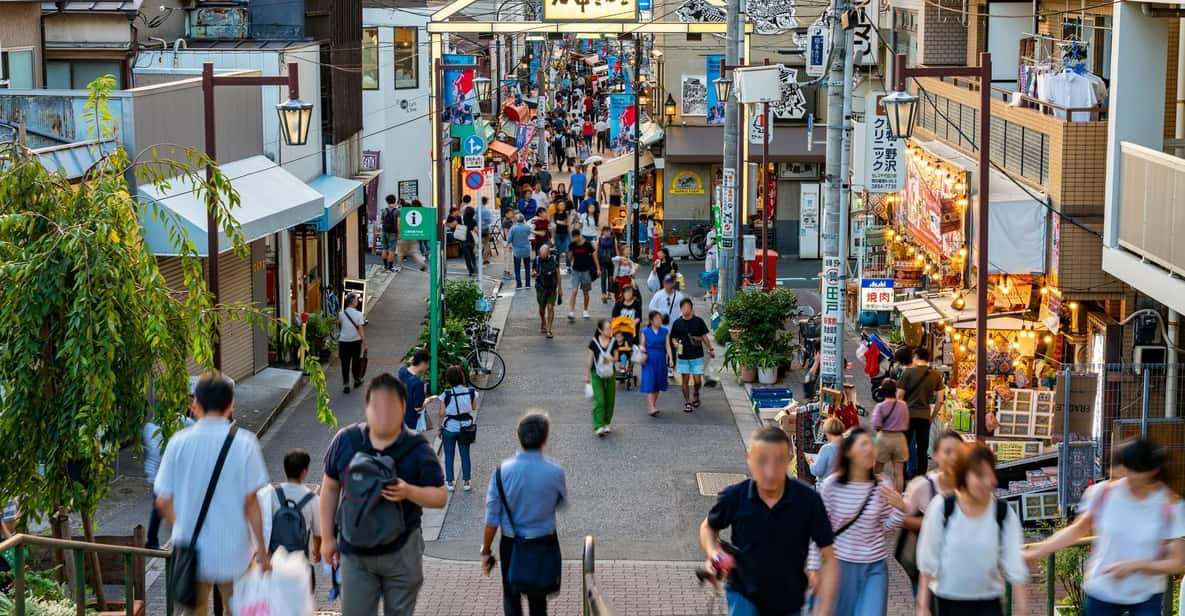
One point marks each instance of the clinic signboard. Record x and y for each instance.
(590, 10)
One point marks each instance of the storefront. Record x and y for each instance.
(337, 240)
(692, 165)
(272, 200)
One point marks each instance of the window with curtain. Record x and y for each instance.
(406, 59)
(17, 68)
(370, 58)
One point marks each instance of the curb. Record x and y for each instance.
(275, 413)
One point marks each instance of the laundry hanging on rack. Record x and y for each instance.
(1069, 89)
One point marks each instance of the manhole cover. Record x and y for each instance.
(711, 484)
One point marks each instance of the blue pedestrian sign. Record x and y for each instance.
(473, 146)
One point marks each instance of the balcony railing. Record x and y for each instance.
(1151, 223)
(1024, 101)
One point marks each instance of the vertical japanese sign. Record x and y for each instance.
(536, 58)
(622, 115)
(864, 37)
(816, 50)
(830, 335)
(728, 208)
(757, 125)
(460, 97)
(712, 73)
(884, 155)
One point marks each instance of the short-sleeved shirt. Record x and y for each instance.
(920, 383)
(269, 504)
(418, 467)
(773, 542)
(540, 224)
(527, 206)
(690, 333)
(519, 237)
(350, 319)
(582, 257)
(415, 396)
(578, 182)
(185, 470)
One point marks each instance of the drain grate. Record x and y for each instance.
(710, 484)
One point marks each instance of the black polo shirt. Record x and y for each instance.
(773, 542)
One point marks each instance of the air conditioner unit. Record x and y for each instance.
(1147, 355)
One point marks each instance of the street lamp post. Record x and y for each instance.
(295, 119)
(669, 109)
(901, 109)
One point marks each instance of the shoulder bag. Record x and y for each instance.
(468, 433)
(534, 567)
(604, 370)
(906, 551)
(461, 232)
(846, 525)
(185, 557)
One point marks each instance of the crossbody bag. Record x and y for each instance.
(185, 557)
(468, 434)
(535, 564)
(867, 499)
(362, 362)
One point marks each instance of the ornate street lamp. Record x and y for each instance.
(900, 112)
(668, 108)
(482, 85)
(295, 118)
(723, 87)
(644, 100)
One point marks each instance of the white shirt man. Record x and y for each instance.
(667, 300)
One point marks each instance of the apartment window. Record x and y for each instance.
(16, 69)
(370, 58)
(78, 74)
(407, 59)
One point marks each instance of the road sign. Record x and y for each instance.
(474, 180)
(474, 162)
(473, 145)
(417, 223)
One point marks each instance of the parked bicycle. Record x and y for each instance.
(487, 369)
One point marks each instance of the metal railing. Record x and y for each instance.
(594, 603)
(79, 549)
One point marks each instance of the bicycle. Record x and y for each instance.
(487, 369)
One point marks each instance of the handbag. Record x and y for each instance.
(534, 567)
(185, 557)
(639, 356)
(461, 233)
(604, 370)
(906, 551)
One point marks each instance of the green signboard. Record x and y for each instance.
(417, 223)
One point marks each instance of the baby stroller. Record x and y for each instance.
(623, 335)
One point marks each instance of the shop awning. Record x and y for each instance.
(935, 309)
(270, 200)
(918, 311)
(502, 148)
(705, 144)
(652, 133)
(341, 196)
(1016, 229)
(616, 167)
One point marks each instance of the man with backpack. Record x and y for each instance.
(389, 218)
(547, 287)
(290, 511)
(378, 478)
(920, 386)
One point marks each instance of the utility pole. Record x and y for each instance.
(839, 94)
(635, 187)
(730, 242)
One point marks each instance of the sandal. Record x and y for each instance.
(687, 408)
(695, 402)
(549, 336)
(655, 413)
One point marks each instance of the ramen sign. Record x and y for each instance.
(590, 10)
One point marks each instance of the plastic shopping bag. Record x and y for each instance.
(284, 591)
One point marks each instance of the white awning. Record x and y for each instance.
(270, 199)
(341, 196)
(616, 167)
(919, 311)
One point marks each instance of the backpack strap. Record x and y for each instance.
(280, 496)
(410, 442)
(933, 486)
(948, 508)
(304, 501)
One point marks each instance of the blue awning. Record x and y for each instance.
(270, 199)
(341, 197)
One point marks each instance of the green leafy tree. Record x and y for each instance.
(90, 331)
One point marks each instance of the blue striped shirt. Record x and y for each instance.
(535, 489)
(225, 544)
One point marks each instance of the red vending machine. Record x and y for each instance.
(763, 269)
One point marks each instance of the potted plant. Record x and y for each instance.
(318, 329)
(740, 357)
(766, 361)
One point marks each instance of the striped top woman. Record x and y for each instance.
(862, 511)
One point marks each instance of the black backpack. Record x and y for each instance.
(546, 269)
(289, 528)
(365, 519)
(390, 220)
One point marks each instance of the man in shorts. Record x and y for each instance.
(547, 287)
(689, 337)
(582, 257)
(389, 218)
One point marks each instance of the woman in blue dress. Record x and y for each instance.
(654, 371)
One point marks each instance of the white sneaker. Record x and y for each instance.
(451, 486)
(586, 314)
(608, 429)
(571, 315)
(467, 487)
(601, 431)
